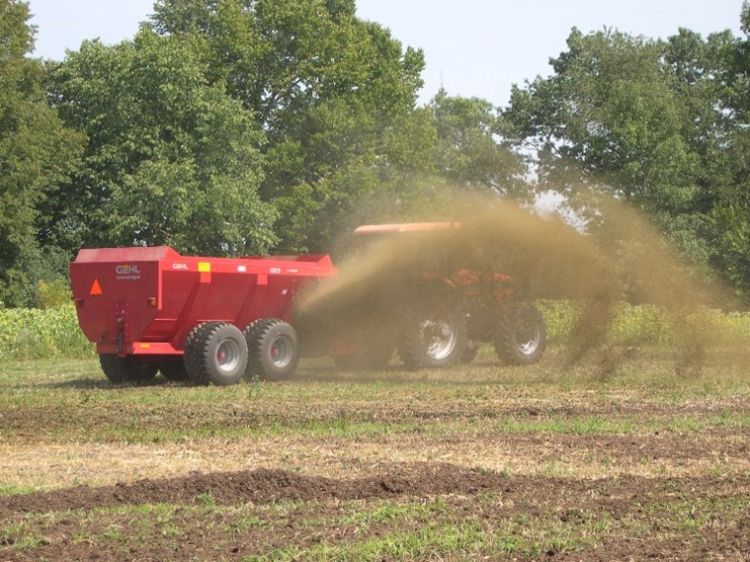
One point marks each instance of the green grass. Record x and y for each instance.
(466, 528)
(646, 324)
(137, 432)
(379, 529)
(69, 400)
(426, 542)
(20, 536)
(12, 489)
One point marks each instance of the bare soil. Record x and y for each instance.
(491, 495)
(482, 464)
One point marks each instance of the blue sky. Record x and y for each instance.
(472, 47)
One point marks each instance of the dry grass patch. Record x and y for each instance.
(28, 466)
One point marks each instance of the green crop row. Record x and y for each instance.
(32, 333)
(28, 333)
(648, 324)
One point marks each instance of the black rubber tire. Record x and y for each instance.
(263, 337)
(520, 324)
(414, 350)
(203, 354)
(251, 333)
(174, 370)
(120, 370)
(470, 352)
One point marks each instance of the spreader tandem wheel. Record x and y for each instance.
(274, 349)
(215, 352)
(126, 369)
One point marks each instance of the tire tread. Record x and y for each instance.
(504, 342)
(256, 334)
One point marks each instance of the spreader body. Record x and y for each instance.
(145, 301)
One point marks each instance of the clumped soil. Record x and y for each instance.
(315, 514)
(262, 486)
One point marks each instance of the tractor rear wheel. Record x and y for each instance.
(121, 370)
(521, 337)
(434, 340)
(274, 349)
(215, 352)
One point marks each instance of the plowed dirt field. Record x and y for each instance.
(483, 462)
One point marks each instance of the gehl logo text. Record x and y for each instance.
(127, 270)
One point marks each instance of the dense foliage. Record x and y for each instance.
(662, 124)
(36, 154)
(170, 159)
(250, 126)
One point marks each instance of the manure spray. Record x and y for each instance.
(623, 258)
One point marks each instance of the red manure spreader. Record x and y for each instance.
(214, 320)
(208, 320)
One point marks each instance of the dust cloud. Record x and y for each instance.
(622, 258)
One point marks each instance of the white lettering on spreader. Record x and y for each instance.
(127, 272)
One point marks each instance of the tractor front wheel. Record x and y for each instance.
(521, 337)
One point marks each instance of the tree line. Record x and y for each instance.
(241, 127)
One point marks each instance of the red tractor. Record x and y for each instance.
(215, 320)
(451, 300)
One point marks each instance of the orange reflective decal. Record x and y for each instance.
(96, 288)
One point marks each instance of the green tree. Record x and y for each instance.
(469, 151)
(36, 152)
(170, 158)
(731, 212)
(651, 122)
(609, 110)
(335, 96)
